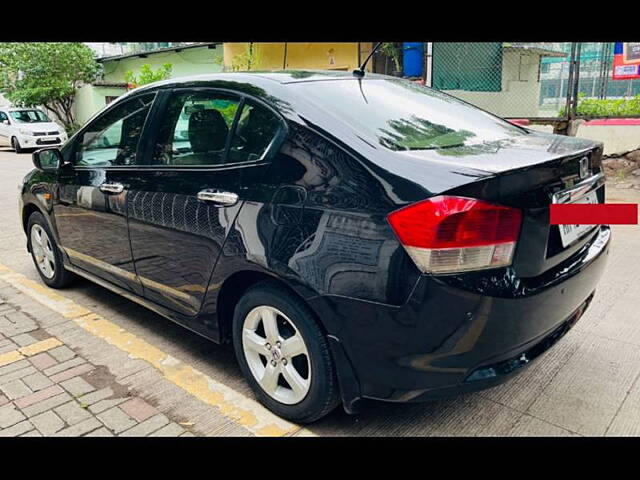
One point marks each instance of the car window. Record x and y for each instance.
(195, 128)
(257, 127)
(3, 117)
(29, 116)
(112, 139)
(400, 115)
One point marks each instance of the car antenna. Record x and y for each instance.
(359, 72)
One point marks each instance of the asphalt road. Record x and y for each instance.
(586, 385)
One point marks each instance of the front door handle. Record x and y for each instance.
(218, 196)
(112, 187)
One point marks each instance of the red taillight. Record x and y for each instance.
(449, 234)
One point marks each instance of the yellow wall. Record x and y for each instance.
(312, 56)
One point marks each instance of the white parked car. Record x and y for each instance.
(23, 128)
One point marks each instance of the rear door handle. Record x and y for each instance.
(218, 196)
(112, 187)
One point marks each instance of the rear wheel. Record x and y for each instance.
(16, 145)
(45, 253)
(284, 354)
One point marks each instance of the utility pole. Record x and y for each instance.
(428, 67)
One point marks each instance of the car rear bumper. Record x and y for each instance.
(464, 332)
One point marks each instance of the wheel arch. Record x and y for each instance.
(235, 286)
(27, 211)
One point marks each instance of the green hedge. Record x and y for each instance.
(594, 107)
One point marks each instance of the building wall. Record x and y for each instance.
(191, 61)
(299, 55)
(90, 99)
(520, 92)
(617, 138)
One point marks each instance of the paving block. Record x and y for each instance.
(77, 386)
(101, 432)
(48, 422)
(31, 433)
(72, 372)
(12, 367)
(47, 404)
(10, 415)
(14, 323)
(171, 430)
(79, 429)
(15, 389)
(61, 367)
(40, 346)
(3, 400)
(138, 409)
(43, 394)
(106, 404)
(7, 345)
(24, 339)
(23, 372)
(37, 381)
(62, 353)
(116, 420)
(148, 426)
(94, 397)
(187, 434)
(17, 429)
(43, 361)
(72, 413)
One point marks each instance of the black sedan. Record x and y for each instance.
(351, 237)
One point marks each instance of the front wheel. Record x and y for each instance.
(16, 145)
(283, 354)
(45, 253)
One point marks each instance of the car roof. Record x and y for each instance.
(278, 76)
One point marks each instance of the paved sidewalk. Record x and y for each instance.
(46, 388)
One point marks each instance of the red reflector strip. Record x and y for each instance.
(594, 214)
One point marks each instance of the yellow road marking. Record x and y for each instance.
(232, 404)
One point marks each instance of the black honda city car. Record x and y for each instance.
(351, 237)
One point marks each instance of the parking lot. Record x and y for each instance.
(586, 385)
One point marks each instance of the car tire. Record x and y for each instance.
(317, 394)
(16, 145)
(46, 251)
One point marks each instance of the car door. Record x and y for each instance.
(4, 129)
(90, 211)
(183, 207)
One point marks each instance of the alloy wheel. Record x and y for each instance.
(276, 354)
(43, 251)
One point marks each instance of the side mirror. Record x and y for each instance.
(47, 159)
(5, 121)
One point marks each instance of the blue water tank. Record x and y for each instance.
(413, 58)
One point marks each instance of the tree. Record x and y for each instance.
(147, 75)
(46, 74)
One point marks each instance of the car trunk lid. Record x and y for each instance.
(531, 172)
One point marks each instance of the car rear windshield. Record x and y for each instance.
(402, 115)
(29, 116)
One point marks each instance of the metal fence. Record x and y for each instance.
(553, 81)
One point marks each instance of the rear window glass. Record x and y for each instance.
(401, 115)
